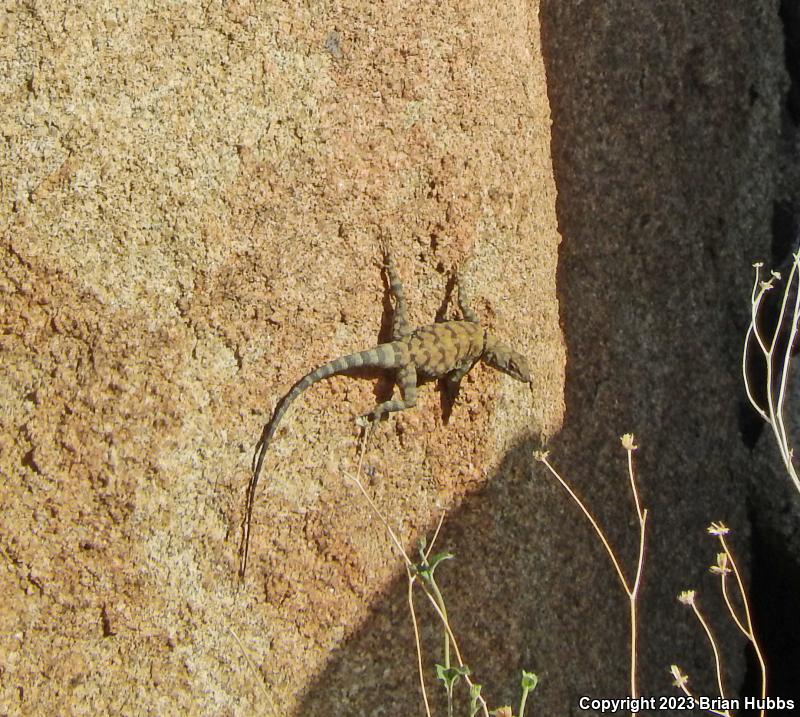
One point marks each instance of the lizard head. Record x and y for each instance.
(507, 360)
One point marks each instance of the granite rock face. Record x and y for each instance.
(191, 207)
(192, 203)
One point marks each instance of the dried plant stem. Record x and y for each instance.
(259, 678)
(417, 643)
(724, 566)
(632, 596)
(591, 519)
(710, 635)
(774, 415)
(688, 693)
(631, 591)
(745, 625)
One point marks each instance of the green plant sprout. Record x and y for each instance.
(451, 671)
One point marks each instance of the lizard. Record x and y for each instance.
(448, 349)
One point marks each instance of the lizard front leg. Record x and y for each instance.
(452, 380)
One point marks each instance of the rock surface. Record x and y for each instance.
(191, 205)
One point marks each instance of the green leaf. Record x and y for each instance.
(425, 568)
(449, 675)
(438, 558)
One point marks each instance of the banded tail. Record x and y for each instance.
(383, 356)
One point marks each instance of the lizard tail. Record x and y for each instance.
(382, 356)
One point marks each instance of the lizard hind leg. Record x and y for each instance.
(407, 380)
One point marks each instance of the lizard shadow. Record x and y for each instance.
(448, 393)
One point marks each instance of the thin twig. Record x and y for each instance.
(681, 681)
(435, 534)
(377, 512)
(633, 596)
(774, 413)
(410, 567)
(691, 601)
(635, 492)
(751, 635)
(726, 597)
(259, 678)
(641, 513)
(590, 518)
(417, 642)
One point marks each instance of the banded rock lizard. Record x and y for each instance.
(448, 350)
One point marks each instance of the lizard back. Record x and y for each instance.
(437, 349)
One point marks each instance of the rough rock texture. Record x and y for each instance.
(667, 151)
(775, 503)
(190, 208)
